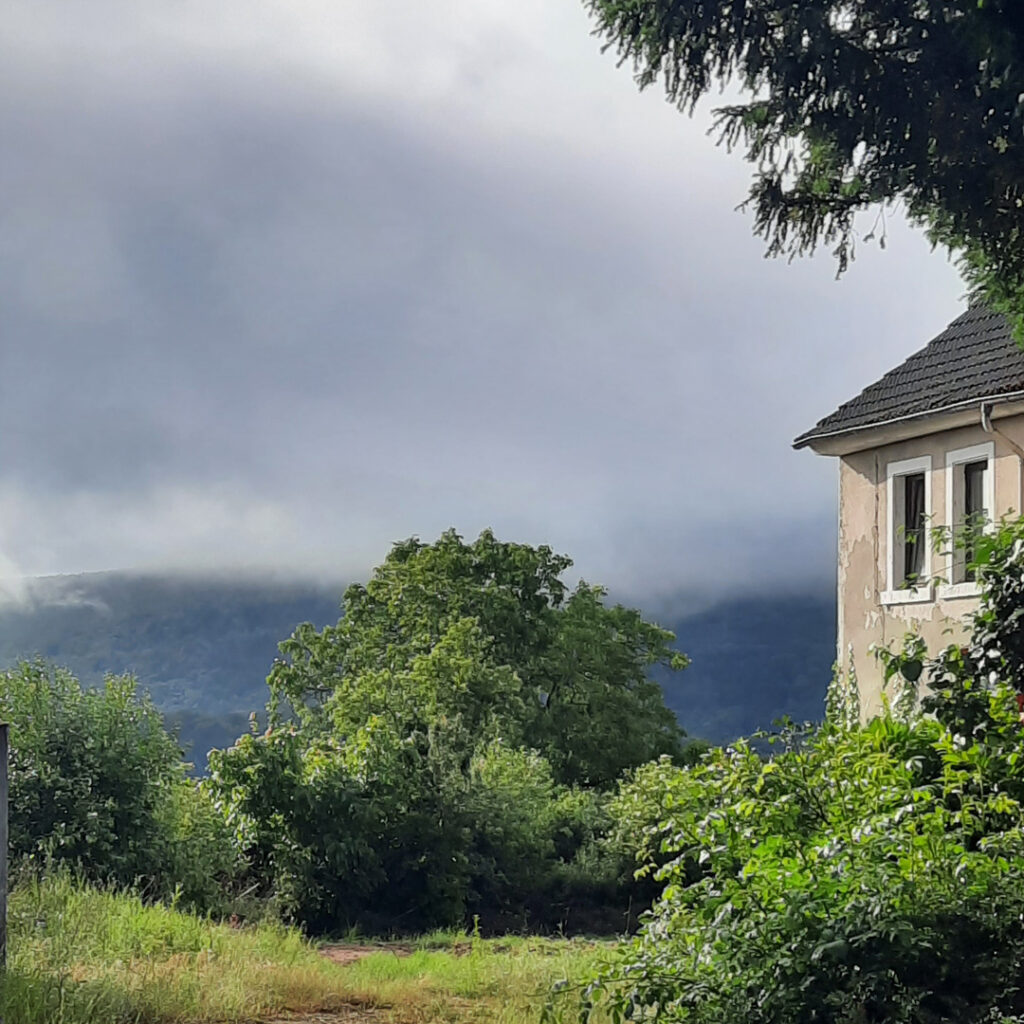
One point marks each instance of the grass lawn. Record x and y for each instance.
(79, 955)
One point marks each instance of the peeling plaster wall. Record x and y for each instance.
(863, 618)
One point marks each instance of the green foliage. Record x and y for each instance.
(96, 782)
(862, 873)
(346, 833)
(447, 743)
(511, 803)
(91, 773)
(200, 867)
(534, 663)
(390, 836)
(642, 813)
(996, 651)
(856, 105)
(870, 875)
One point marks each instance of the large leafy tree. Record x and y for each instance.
(447, 746)
(854, 104)
(480, 642)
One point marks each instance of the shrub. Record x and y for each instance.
(537, 854)
(201, 867)
(382, 834)
(91, 773)
(872, 875)
(510, 817)
(345, 833)
(861, 873)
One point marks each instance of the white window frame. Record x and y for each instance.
(958, 457)
(926, 591)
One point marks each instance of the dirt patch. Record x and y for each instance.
(346, 953)
(353, 1015)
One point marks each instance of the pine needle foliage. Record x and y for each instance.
(854, 105)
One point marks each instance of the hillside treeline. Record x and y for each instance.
(202, 647)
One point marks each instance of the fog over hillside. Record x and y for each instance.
(203, 646)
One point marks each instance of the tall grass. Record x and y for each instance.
(80, 955)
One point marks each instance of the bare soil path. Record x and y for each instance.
(355, 1015)
(348, 953)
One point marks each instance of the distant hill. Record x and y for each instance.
(203, 647)
(754, 659)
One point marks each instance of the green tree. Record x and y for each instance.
(445, 748)
(487, 638)
(856, 104)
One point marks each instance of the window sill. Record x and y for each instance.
(954, 591)
(919, 595)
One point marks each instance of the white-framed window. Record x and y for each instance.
(908, 509)
(970, 506)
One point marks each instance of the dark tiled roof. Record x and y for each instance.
(974, 358)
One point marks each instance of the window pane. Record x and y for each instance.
(974, 489)
(914, 538)
(975, 512)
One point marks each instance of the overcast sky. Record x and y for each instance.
(282, 281)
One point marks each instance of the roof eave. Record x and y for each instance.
(845, 441)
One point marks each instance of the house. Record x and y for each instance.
(938, 441)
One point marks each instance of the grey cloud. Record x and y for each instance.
(249, 318)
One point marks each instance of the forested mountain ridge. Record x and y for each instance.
(754, 659)
(203, 647)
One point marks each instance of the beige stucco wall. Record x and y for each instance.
(863, 556)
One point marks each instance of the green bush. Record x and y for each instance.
(381, 834)
(509, 811)
(871, 875)
(537, 852)
(860, 874)
(97, 783)
(201, 866)
(341, 834)
(91, 773)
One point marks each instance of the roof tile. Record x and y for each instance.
(974, 358)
